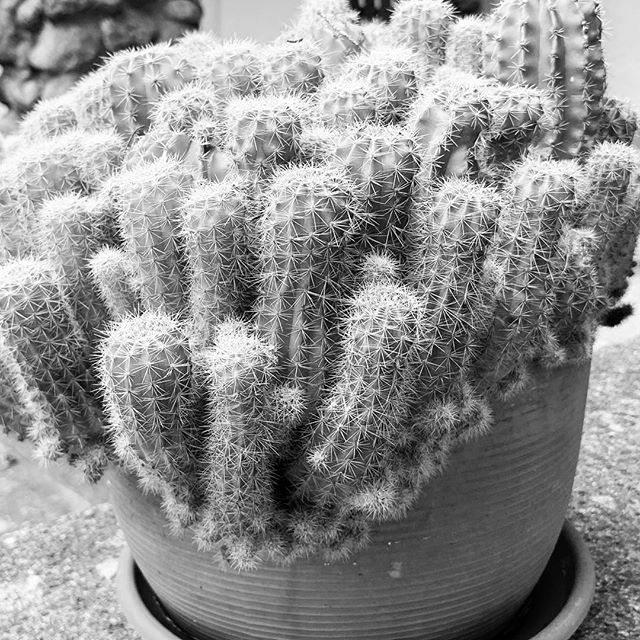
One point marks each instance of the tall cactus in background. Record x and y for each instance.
(554, 45)
(424, 26)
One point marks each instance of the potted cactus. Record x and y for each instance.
(323, 309)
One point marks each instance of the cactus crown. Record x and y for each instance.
(308, 269)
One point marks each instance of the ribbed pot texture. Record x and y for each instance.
(458, 567)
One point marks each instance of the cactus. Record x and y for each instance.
(310, 216)
(368, 407)
(392, 74)
(71, 229)
(47, 343)
(113, 272)
(347, 101)
(619, 121)
(49, 118)
(151, 401)
(180, 109)
(148, 202)
(611, 205)
(446, 136)
(264, 132)
(424, 26)
(292, 67)
(241, 444)
(542, 200)
(234, 68)
(554, 45)
(333, 29)
(466, 43)
(383, 164)
(218, 242)
(451, 234)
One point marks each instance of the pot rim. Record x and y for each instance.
(571, 614)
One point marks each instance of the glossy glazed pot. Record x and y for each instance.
(458, 567)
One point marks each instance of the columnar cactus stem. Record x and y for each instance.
(553, 45)
(619, 122)
(309, 221)
(23, 407)
(383, 163)
(543, 200)
(347, 101)
(447, 136)
(148, 200)
(233, 68)
(264, 132)
(424, 26)
(367, 409)
(292, 67)
(517, 119)
(451, 235)
(218, 237)
(71, 229)
(136, 79)
(161, 142)
(150, 394)
(466, 43)
(610, 197)
(49, 118)
(113, 272)
(47, 343)
(180, 109)
(579, 295)
(392, 74)
(241, 444)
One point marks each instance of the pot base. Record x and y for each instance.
(555, 609)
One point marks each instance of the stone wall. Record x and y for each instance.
(45, 45)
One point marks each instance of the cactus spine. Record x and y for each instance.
(47, 343)
(310, 217)
(148, 201)
(218, 242)
(151, 401)
(241, 444)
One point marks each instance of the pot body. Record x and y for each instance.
(459, 566)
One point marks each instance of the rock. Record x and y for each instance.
(63, 46)
(127, 28)
(56, 9)
(29, 15)
(20, 88)
(11, 36)
(183, 11)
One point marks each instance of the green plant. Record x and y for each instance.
(314, 265)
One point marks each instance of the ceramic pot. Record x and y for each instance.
(459, 566)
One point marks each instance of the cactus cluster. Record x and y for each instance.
(280, 284)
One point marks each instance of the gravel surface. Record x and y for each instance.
(57, 578)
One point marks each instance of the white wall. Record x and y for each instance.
(261, 20)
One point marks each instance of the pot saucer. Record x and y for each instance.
(555, 609)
